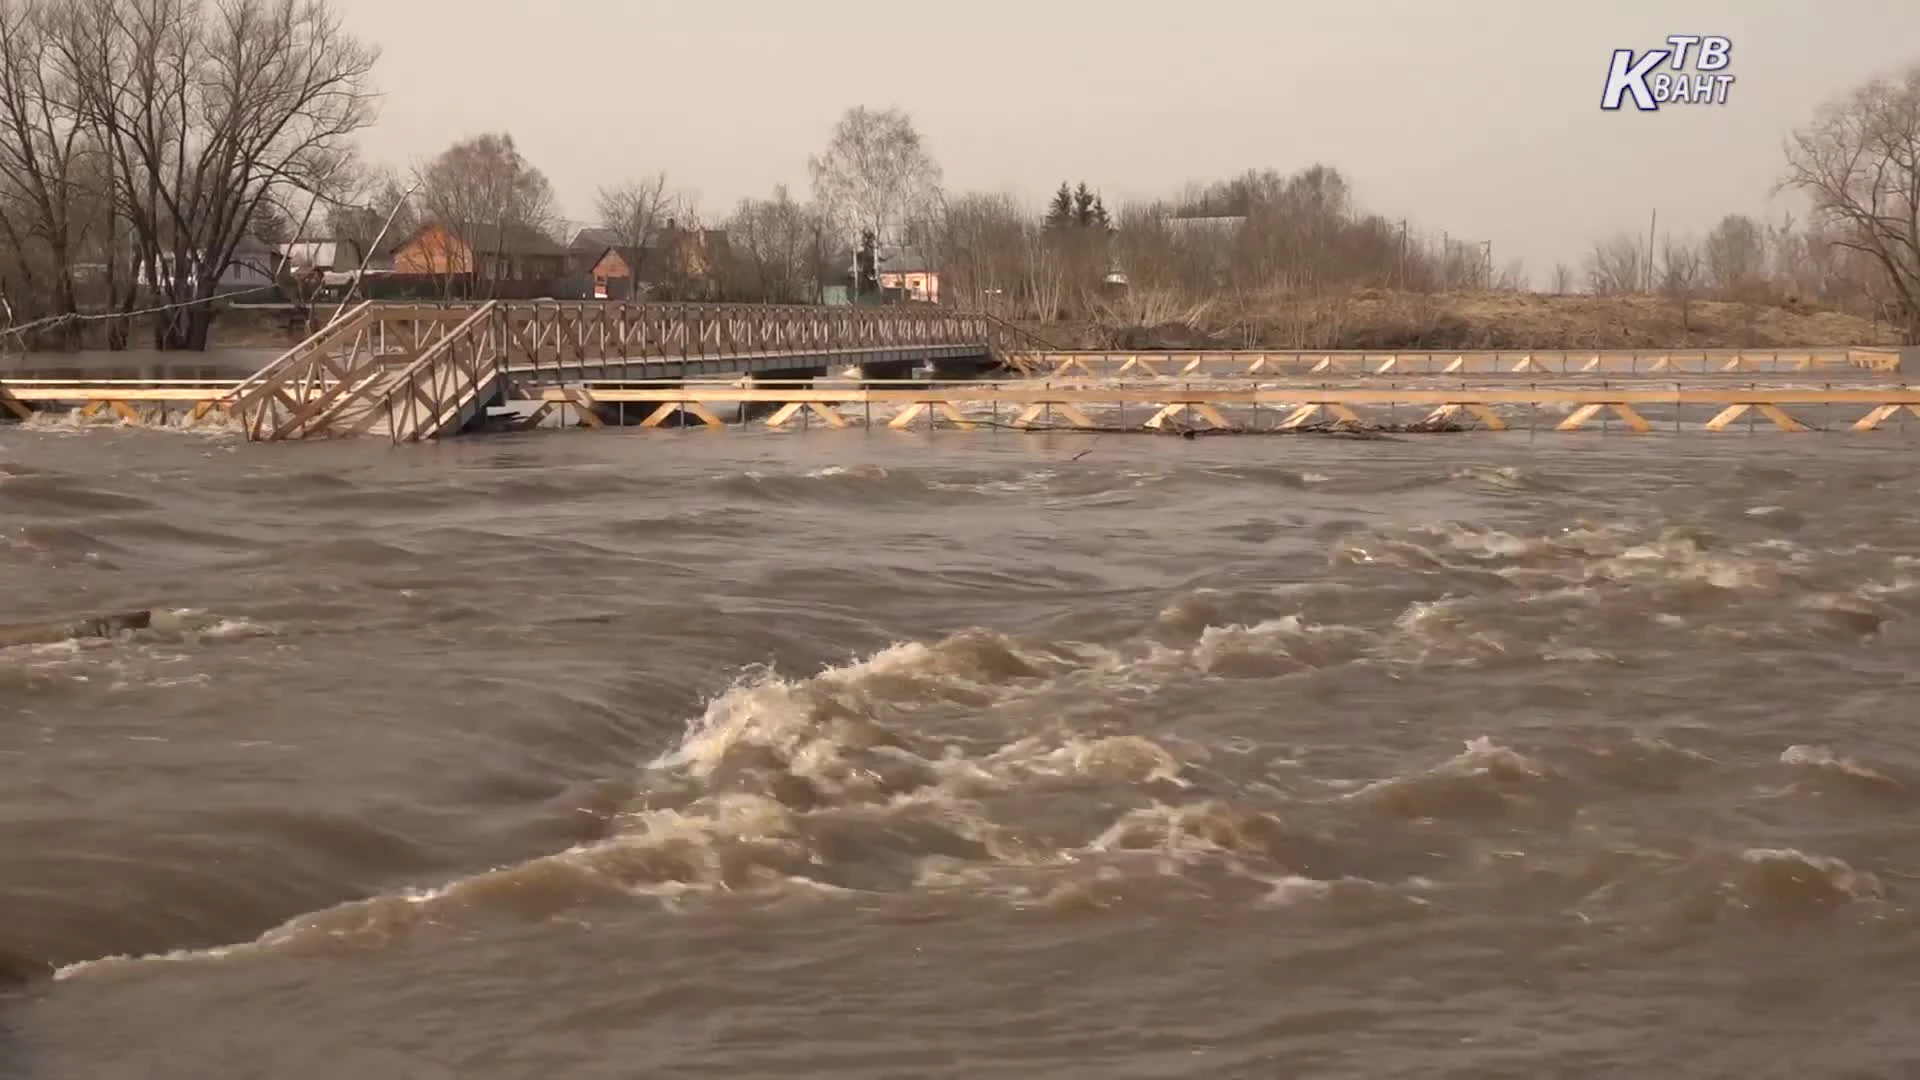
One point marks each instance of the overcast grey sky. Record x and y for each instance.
(1479, 117)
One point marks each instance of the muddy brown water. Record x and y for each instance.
(879, 755)
(137, 364)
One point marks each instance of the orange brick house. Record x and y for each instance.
(679, 264)
(490, 253)
(612, 275)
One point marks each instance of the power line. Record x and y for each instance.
(103, 316)
(19, 332)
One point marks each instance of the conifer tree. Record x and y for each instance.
(1083, 199)
(1060, 212)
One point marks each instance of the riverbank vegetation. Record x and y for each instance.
(150, 147)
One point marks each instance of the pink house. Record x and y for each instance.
(912, 274)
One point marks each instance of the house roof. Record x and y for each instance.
(655, 261)
(1207, 223)
(584, 258)
(499, 240)
(907, 262)
(324, 253)
(593, 241)
(897, 260)
(513, 240)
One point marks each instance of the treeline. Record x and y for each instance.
(145, 144)
(1740, 260)
(1229, 244)
(1258, 234)
(1265, 240)
(141, 141)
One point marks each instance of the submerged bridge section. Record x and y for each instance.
(421, 372)
(1508, 365)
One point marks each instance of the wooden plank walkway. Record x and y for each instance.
(1034, 405)
(1247, 363)
(1863, 403)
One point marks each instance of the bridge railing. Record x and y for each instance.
(310, 381)
(343, 323)
(594, 332)
(428, 393)
(284, 385)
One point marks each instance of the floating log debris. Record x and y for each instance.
(52, 633)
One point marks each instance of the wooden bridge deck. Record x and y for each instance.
(1252, 363)
(412, 372)
(1265, 407)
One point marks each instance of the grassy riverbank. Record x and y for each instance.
(1385, 320)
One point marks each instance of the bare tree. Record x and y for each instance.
(1617, 265)
(1046, 274)
(980, 246)
(487, 197)
(1859, 164)
(43, 140)
(876, 174)
(1562, 279)
(208, 113)
(360, 215)
(1734, 257)
(1680, 277)
(1149, 252)
(1512, 277)
(639, 210)
(772, 240)
(1807, 266)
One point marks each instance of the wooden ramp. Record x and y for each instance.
(420, 376)
(448, 387)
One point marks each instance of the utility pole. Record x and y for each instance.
(1403, 253)
(1652, 223)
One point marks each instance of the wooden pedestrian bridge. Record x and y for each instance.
(417, 372)
(421, 371)
(414, 373)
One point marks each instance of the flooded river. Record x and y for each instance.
(847, 755)
(137, 365)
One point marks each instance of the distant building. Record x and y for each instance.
(611, 275)
(321, 256)
(677, 263)
(586, 248)
(1216, 226)
(910, 274)
(253, 268)
(516, 259)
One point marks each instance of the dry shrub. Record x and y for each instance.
(1382, 320)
